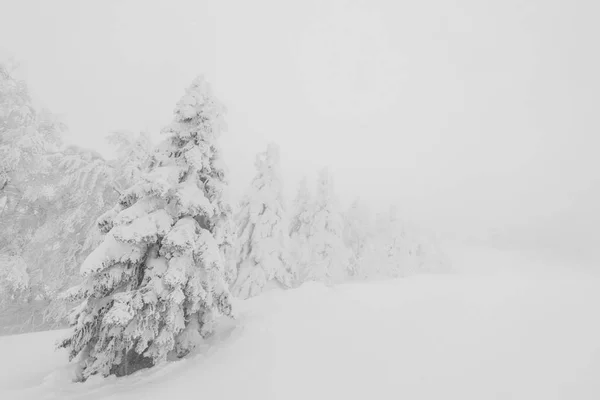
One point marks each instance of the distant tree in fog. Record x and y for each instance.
(330, 258)
(264, 257)
(300, 221)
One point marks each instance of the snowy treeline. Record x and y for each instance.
(334, 245)
(149, 248)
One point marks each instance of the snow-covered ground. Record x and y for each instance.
(502, 327)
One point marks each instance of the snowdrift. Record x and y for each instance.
(486, 336)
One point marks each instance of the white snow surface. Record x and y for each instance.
(500, 327)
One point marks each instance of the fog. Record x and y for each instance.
(478, 119)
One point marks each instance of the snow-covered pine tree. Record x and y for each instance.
(330, 261)
(155, 285)
(300, 222)
(263, 231)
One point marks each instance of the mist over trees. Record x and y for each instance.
(142, 253)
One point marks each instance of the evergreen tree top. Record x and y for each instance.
(198, 114)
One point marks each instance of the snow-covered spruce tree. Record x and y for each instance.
(386, 255)
(88, 186)
(133, 153)
(27, 139)
(155, 285)
(300, 222)
(330, 261)
(263, 231)
(357, 229)
(397, 249)
(53, 230)
(27, 135)
(418, 251)
(394, 249)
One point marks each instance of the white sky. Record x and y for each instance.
(472, 115)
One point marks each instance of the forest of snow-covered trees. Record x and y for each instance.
(140, 254)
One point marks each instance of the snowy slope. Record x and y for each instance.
(505, 332)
